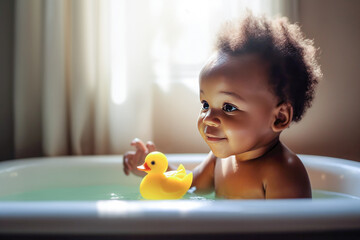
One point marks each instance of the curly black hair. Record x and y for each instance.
(293, 67)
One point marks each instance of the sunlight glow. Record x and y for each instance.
(118, 51)
(181, 36)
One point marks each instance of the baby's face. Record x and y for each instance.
(238, 106)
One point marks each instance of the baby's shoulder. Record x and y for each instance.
(282, 162)
(284, 175)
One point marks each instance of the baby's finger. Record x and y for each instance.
(151, 146)
(126, 165)
(126, 169)
(139, 145)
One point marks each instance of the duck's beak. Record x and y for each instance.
(144, 167)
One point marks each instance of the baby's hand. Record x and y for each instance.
(132, 159)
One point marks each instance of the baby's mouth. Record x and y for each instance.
(212, 138)
(213, 135)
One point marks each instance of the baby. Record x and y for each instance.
(260, 79)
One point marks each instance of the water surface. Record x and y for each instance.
(117, 192)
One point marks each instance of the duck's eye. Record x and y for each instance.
(205, 105)
(229, 108)
(152, 162)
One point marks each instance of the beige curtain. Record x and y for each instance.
(90, 75)
(63, 99)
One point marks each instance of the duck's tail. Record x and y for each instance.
(188, 180)
(185, 178)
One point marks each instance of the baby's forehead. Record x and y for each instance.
(244, 65)
(213, 64)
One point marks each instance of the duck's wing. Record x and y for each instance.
(172, 185)
(179, 173)
(175, 184)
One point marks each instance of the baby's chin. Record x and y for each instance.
(220, 154)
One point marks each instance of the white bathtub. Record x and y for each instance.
(176, 218)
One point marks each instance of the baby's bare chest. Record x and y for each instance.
(240, 181)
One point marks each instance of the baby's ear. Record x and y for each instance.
(283, 117)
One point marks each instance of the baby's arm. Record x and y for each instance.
(203, 175)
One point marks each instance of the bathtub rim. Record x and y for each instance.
(150, 217)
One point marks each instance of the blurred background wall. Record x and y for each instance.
(329, 128)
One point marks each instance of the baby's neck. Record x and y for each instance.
(259, 152)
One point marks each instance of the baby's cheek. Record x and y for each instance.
(237, 126)
(239, 133)
(200, 123)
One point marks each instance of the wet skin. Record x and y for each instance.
(241, 120)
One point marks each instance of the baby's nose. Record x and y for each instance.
(211, 119)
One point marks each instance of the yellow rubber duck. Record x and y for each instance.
(158, 184)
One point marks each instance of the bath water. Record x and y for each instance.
(117, 192)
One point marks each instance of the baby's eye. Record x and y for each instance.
(229, 108)
(205, 105)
